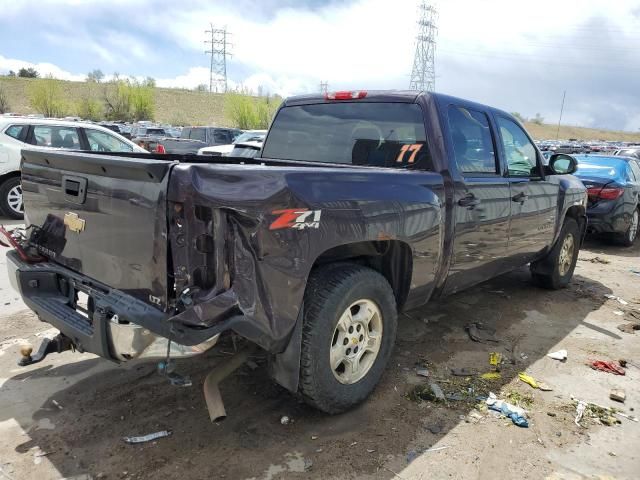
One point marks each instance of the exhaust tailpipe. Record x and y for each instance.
(212, 396)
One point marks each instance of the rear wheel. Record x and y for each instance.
(348, 335)
(556, 269)
(627, 238)
(11, 198)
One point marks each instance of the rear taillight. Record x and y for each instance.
(160, 148)
(605, 193)
(346, 95)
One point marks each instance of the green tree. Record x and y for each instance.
(203, 87)
(95, 76)
(247, 112)
(4, 100)
(89, 108)
(519, 117)
(149, 82)
(129, 100)
(46, 97)
(538, 119)
(28, 72)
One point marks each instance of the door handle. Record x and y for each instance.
(521, 197)
(470, 201)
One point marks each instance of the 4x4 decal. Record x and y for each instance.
(298, 218)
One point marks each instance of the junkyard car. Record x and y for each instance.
(360, 205)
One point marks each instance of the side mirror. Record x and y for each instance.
(562, 164)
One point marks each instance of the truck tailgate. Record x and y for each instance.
(102, 216)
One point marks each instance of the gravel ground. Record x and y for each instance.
(65, 417)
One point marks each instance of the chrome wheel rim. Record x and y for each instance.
(566, 255)
(633, 228)
(356, 341)
(14, 199)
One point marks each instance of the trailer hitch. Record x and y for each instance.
(57, 344)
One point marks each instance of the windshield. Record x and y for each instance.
(374, 134)
(250, 137)
(155, 131)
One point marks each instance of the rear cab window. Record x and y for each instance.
(367, 133)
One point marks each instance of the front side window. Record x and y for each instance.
(472, 141)
(16, 131)
(519, 150)
(55, 137)
(221, 137)
(371, 134)
(105, 142)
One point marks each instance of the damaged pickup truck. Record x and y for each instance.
(360, 205)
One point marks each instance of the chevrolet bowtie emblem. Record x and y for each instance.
(74, 222)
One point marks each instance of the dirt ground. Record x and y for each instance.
(66, 417)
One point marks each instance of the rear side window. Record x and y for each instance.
(635, 168)
(105, 142)
(55, 136)
(16, 131)
(194, 134)
(472, 141)
(372, 134)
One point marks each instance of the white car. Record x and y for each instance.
(225, 150)
(17, 133)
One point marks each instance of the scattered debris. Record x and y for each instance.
(552, 414)
(462, 372)
(516, 414)
(618, 312)
(595, 260)
(455, 397)
(635, 272)
(147, 438)
(353, 444)
(523, 356)
(491, 376)
(412, 455)
(609, 367)
(314, 437)
(479, 332)
(520, 400)
(580, 409)
(603, 415)
(474, 417)
(58, 406)
(528, 379)
(618, 395)
(559, 355)
(620, 300)
(622, 363)
(436, 449)
(629, 327)
(422, 372)
(284, 420)
(371, 450)
(435, 429)
(495, 359)
(437, 391)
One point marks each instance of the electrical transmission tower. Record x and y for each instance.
(423, 75)
(324, 87)
(219, 51)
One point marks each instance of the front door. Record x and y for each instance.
(482, 201)
(534, 198)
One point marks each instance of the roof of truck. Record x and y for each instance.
(393, 96)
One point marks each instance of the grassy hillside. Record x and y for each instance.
(186, 107)
(176, 106)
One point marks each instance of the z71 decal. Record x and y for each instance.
(298, 218)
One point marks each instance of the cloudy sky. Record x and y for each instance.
(515, 57)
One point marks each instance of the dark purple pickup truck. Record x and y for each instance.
(361, 205)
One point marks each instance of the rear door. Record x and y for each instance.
(482, 200)
(101, 216)
(534, 198)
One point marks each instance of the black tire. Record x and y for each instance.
(331, 290)
(7, 189)
(548, 272)
(628, 238)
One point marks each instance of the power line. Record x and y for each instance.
(219, 51)
(423, 74)
(324, 87)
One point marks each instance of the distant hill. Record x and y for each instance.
(187, 107)
(173, 105)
